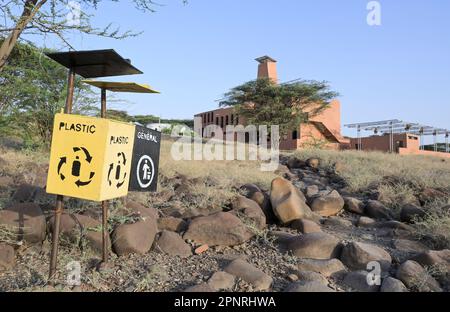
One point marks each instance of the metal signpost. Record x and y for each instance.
(115, 87)
(88, 64)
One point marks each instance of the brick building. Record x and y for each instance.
(322, 130)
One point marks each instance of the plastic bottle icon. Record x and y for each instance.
(118, 171)
(76, 167)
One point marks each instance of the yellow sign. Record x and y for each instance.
(90, 157)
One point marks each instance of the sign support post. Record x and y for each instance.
(104, 203)
(59, 198)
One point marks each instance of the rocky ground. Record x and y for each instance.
(308, 232)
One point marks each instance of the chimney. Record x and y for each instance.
(267, 68)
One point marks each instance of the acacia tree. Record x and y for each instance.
(32, 90)
(55, 17)
(264, 102)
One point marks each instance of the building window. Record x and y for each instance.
(232, 119)
(221, 121)
(204, 118)
(212, 117)
(226, 119)
(294, 135)
(237, 120)
(217, 121)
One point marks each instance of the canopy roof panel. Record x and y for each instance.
(398, 126)
(95, 63)
(121, 86)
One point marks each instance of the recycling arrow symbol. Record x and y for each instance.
(117, 177)
(76, 166)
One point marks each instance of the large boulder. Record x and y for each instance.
(7, 257)
(435, 258)
(315, 246)
(414, 276)
(288, 202)
(306, 226)
(222, 281)
(136, 237)
(82, 229)
(326, 268)
(353, 205)
(410, 213)
(26, 220)
(391, 284)
(26, 193)
(249, 211)
(172, 244)
(356, 256)
(328, 205)
(219, 229)
(308, 286)
(358, 281)
(249, 273)
(377, 210)
(409, 246)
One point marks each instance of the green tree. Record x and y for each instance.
(263, 102)
(32, 90)
(55, 17)
(118, 115)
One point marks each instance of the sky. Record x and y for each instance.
(194, 53)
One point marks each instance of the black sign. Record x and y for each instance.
(145, 161)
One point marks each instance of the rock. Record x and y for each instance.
(135, 238)
(356, 256)
(434, 258)
(429, 195)
(26, 193)
(250, 189)
(394, 225)
(219, 229)
(203, 287)
(311, 191)
(365, 222)
(391, 284)
(338, 222)
(263, 200)
(353, 205)
(305, 226)
(7, 257)
(313, 162)
(26, 220)
(329, 205)
(311, 276)
(201, 249)
(325, 267)
(308, 286)
(409, 246)
(414, 276)
(172, 244)
(221, 281)
(357, 280)
(75, 227)
(315, 246)
(249, 211)
(295, 163)
(377, 210)
(288, 202)
(252, 275)
(172, 224)
(410, 213)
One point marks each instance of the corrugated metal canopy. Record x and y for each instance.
(121, 86)
(95, 63)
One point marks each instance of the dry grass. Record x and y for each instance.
(361, 170)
